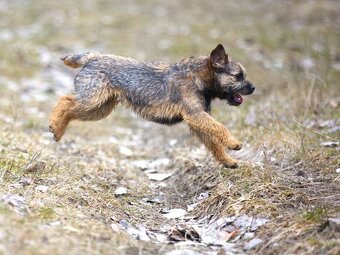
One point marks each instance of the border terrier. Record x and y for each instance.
(166, 94)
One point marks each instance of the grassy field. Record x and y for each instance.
(60, 198)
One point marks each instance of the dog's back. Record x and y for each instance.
(142, 83)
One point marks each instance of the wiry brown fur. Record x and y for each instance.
(165, 94)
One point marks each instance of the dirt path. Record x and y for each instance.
(163, 175)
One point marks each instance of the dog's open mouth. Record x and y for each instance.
(237, 98)
(234, 98)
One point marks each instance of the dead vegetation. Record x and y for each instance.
(103, 190)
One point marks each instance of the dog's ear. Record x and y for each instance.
(218, 57)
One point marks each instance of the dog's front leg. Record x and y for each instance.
(216, 148)
(204, 123)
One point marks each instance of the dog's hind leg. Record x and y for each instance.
(61, 116)
(94, 107)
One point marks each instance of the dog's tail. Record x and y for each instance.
(79, 60)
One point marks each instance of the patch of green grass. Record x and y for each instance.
(12, 168)
(45, 213)
(316, 216)
(19, 60)
(4, 210)
(30, 124)
(254, 190)
(179, 50)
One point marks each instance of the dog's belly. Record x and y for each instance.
(166, 114)
(166, 121)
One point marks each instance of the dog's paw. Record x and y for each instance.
(235, 145)
(231, 164)
(57, 134)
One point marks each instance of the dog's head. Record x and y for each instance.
(229, 77)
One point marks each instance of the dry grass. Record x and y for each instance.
(291, 53)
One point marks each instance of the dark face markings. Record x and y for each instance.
(231, 83)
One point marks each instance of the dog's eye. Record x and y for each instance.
(239, 76)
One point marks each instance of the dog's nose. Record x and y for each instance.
(252, 88)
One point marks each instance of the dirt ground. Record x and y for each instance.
(123, 185)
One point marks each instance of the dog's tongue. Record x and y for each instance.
(238, 98)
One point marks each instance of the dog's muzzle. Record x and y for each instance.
(234, 96)
(247, 89)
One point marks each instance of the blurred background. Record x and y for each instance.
(291, 50)
(281, 43)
